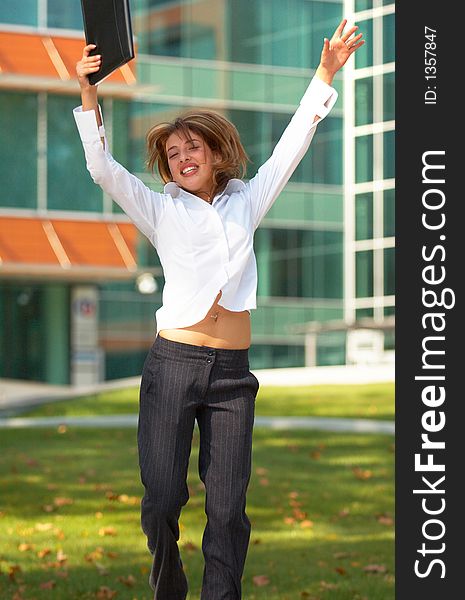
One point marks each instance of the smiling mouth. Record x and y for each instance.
(189, 170)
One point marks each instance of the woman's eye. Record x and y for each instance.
(172, 156)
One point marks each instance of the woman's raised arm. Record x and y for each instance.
(316, 103)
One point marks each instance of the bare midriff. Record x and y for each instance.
(221, 328)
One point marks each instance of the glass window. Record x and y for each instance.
(364, 158)
(268, 356)
(331, 348)
(389, 50)
(389, 97)
(18, 13)
(289, 34)
(65, 15)
(389, 310)
(389, 271)
(364, 216)
(364, 101)
(363, 5)
(299, 263)
(389, 340)
(18, 150)
(389, 154)
(364, 273)
(323, 162)
(364, 313)
(70, 186)
(364, 56)
(389, 219)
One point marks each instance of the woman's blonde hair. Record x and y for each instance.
(218, 133)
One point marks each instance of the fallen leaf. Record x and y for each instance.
(99, 515)
(96, 554)
(48, 508)
(61, 556)
(307, 523)
(385, 520)
(43, 552)
(375, 569)
(299, 514)
(316, 454)
(340, 570)
(260, 580)
(261, 471)
(25, 547)
(48, 585)
(362, 473)
(190, 547)
(256, 541)
(128, 581)
(111, 554)
(324, 585)
(293, 494)
(12, 571)
(101, 568)
(339, 555)
(62, 428)
(289, 520)
(105, 593)
(62, 574)
(263, 481)
(60, 501)
(43, 526)
(107, 531)
(125, 499)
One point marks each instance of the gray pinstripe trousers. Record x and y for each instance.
(180, 383)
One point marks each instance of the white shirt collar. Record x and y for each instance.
(233, 185)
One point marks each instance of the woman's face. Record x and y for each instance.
(191, 163)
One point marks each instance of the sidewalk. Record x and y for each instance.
(17, 395)
(130, 421)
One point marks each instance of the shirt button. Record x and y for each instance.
(209, 360)
(211, 352)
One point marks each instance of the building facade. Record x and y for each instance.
(71, 301)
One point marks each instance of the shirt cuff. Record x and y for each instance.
(320, 96)
(87, 125)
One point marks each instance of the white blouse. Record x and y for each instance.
(204, 248)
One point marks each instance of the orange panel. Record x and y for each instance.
(130, 235)
(25, 241)
(88, 244)
(70, 51)
(25, 54)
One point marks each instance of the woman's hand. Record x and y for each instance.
(337, 50)
(86, 66)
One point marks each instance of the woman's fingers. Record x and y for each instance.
(88, 64)
(87, 49)
(348, 33)
(340, 28)
(354, 40)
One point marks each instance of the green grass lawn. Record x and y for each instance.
(370, 401)
(321, 506)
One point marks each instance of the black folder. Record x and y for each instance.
(107, 23)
